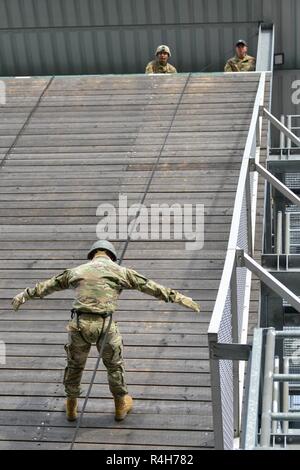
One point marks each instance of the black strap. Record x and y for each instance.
(78, 313)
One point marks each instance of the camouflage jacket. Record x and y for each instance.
(156, 67)
(247, 64)
(98, 284)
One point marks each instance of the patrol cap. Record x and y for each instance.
(241, 41)
(163, 48)
(102, 245)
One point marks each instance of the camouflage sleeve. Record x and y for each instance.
(56, 283)
(231, 66)
(253, 64)
(134, 280)
(173, 69)
(149, 68)
(227, 67)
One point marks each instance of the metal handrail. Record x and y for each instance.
(233, 237)
(252, 149)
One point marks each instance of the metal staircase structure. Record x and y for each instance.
(259, 417)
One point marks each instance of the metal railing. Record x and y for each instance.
(273, 391)
(227, 334)
(292, 122)
(229, 322)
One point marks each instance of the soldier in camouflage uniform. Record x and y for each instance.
(241, 62)
(98, 284)
(160, 64)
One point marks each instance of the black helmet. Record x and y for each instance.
(102, 245)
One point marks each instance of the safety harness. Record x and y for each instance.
(78, 313)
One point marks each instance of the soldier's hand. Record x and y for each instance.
(188, 302)
(18, 300)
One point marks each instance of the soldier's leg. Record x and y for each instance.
(77, 353)
(114, 362)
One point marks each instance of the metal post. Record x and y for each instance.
(287, 237)
(276, 398)
(289, 143)
(235, 365)
(216, 394)
(249, 213)
(285, 398)
(279, 234)
(279, 237)
(250, 415)
(282, 137)
(267, 389)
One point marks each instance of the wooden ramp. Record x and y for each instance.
(67, 145)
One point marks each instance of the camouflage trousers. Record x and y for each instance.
(78, 349)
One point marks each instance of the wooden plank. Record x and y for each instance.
(37, 445)
(131, 352)
(151, 392)
(106, 421)
(90, 139)
(133, 378)
(142, 364)
(126, 328)
(132, 339)
(105, 405)
(119, 436)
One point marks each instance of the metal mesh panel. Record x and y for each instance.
(292, 208)
(225, 332)
(226, 377)
(242, 272)
(292, 180)
(294, 229)
(291, 348)
(295, 220)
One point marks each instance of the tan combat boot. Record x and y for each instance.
(123, 406)
(71, 409)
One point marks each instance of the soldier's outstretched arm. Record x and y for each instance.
(137, 281)
(41, 289)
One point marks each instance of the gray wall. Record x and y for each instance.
(119, 36)
(282, 97)
(42, 37)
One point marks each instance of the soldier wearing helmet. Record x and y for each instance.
(241, 62)
(97, 285)
(160, 64)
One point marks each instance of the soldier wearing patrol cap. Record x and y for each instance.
(97, 285)
(241, 62)
(160, 64)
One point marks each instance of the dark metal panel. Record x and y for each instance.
(282, 102)
(201, 33)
